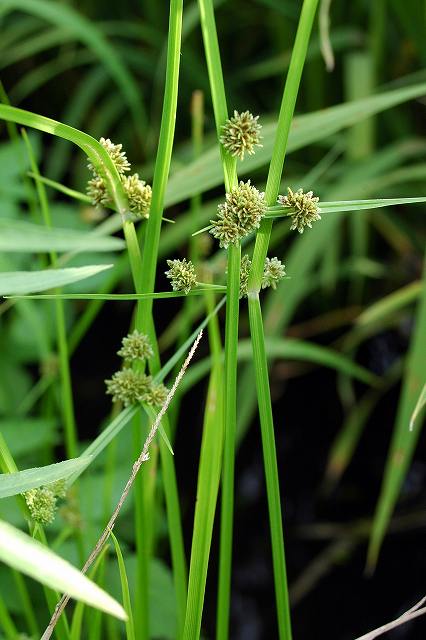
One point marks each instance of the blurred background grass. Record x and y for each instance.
(100, 67)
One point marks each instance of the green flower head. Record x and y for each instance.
(306, 205)
(182, 275)
(139, 195)
(157, 395)
(239, 215)
(116, 154)
(129, 386)
(136, 346)
(273, 272)
(240, 134)
(41, 503)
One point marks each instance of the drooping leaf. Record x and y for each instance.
(23, 282)
(21, 552)
(11, 484)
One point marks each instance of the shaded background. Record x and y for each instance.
(377, 45)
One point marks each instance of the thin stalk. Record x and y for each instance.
(255, 316)
(220, 108)
(145, 282)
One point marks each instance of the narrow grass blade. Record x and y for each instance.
(403, 440)
(17, 236)
(20, 551)
(160, 295)
(421, 402)
(209, 472)
(388, 305)
(22, 282)
(130, 631)
(12, 484)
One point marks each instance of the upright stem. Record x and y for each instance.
(220, 108)
(256, 323)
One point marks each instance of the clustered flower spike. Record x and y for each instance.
(273, 272)
(139, 195)
(306, 205)
(42, 502)
(239, 215)
(182, 275)
(138, 192)
(240, 134)
(136, 346)
(131, 386)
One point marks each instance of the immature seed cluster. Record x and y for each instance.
(273, 272)
(130, 386)
(306, 205)
(138, 192)
(182, 275)
(239, 215)
(42, 502)
(240, 134)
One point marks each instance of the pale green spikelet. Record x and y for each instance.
(128, 386)
(97, 191)
(139, 195)
(182, 275)
(157, 395)
(136, 346)
(116, 154)
(239, 215)
(41, 503)
(244, 275)
(306, 205)
(59, 488)
(273, 272)
(240, 134)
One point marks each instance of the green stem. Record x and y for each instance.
(220, 108)
(285, 118)
(255, 316)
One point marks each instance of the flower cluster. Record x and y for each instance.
(240, 134)
(306, 205)
(138, 192)
(182, 275)
(42, 502)
(239, 215)
(273, 272)
(131, 386)
(136, 346)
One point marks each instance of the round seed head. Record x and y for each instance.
(41, 503)
(128, 386)
(157, 395)
(306, 205)
(182, 275)
(136, 346)
(273, 272)
(239, 215)
(116, 154)
(139, 195)
(240, 134)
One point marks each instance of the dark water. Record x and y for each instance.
(343, 603)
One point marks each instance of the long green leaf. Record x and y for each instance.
(130, 630)
(22, 282)
(11, 484)
(206, 172)
(19, 236)
(23, 553)
(403, 440)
